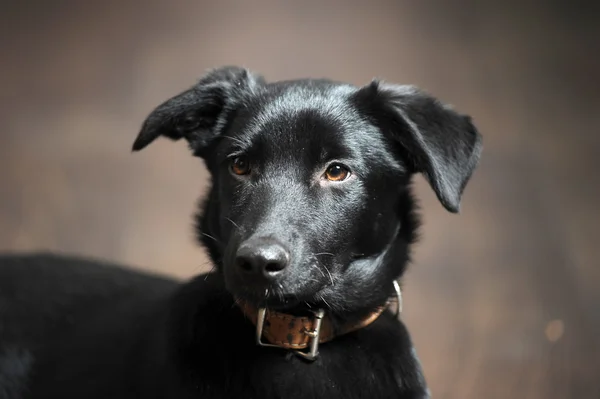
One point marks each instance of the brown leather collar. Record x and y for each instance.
(294, 332)
(299, 332)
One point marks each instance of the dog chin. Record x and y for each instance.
(275, 298)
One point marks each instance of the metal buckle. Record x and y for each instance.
(314, 335)
(398, 298)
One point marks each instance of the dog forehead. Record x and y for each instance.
(316, 118)
(285, 102)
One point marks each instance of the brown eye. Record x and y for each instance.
(240, 166)
(337, 172)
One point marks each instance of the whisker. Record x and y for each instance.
(324, 253)
(203, 265)
(330, 276)
(238, 302)
(211, 237)
(232, 222)
(212, 269)
(319, 269)
(280, 292)
(277, 291)
(324, 301)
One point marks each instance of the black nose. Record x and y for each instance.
(264, 257)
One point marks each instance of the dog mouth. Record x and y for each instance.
(271, 298)
(277, 297)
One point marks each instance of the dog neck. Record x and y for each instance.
(294, 332)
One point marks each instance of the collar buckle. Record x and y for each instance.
(314, 334)
(398, 295)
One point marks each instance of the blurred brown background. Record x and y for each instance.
(503, 301)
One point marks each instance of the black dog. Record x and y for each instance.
(309, 223)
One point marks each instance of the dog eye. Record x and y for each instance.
(337, 172)
(240, 166)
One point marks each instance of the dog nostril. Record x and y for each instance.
(244, 265)
(274, 267)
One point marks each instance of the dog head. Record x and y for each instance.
(310, 201)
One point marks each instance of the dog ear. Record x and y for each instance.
(195, 114)
(438, 142)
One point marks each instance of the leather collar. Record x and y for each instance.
(293, 332)
(300, 332)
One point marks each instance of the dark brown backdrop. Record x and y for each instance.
(503, 300)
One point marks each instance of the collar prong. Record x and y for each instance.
(398, 298)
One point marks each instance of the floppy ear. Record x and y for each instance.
(195, 114)
(438, 142)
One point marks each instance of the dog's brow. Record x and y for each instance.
(238, 146)
(236, 140)
(296, 99)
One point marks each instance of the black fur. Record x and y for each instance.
(74, 328)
